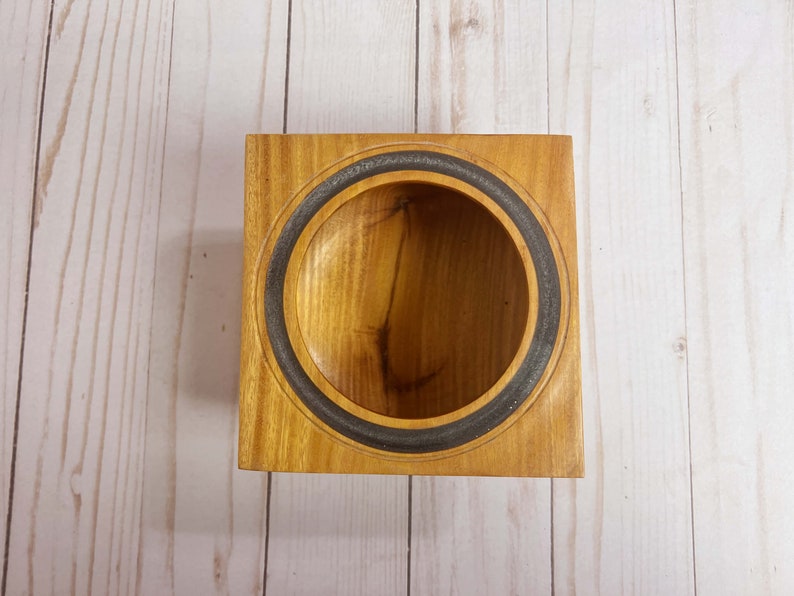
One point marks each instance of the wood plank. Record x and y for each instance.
(737, 151)
(351, 66)
(480, 536)
(351, 70)
(337, 534)
(482, 69)
(626, 528)
(22, 52)
(204, 521)
(79, 462)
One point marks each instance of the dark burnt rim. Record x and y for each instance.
(518, 388)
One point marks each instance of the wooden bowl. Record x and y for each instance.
(407, 302)
(412, 299)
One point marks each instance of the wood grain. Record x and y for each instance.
(351, 66)
(626, 528)
(737, 152)
(204, 521)
(420, 266)
(351, 69)
(543, 434)
(346, 535)
(79, 465)
(23, 54)
(482, 69)
(480, 536)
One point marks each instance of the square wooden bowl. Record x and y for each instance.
(410, 306)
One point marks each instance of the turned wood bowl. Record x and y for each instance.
(412, 299)
(406, 305)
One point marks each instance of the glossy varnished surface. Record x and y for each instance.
(526, 198)
(412, 300)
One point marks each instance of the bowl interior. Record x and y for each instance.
(412, 299)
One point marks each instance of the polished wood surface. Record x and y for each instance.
(412, 300)
(416, 303)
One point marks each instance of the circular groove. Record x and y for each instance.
(515, 392)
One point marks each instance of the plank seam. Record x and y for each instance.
(267, 531)
(416, 69)
(284, 131)
(551, 481)
(286, 70)
(12, 471)
(416, 130)
(410, 529)
(686, 324)
(551, 534)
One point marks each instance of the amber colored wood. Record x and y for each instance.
(419, 267)
(409, 300)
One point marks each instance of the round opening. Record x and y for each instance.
(412, 299)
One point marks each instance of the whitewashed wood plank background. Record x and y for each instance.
(612, 85)
(736, 65)
(121, 144)
(203, 522)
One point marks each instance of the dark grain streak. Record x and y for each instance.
(267, 530)
(410, 386)
(20, 369)
(400, 206)
(551, 481)
(390, 382)
(285, 117)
